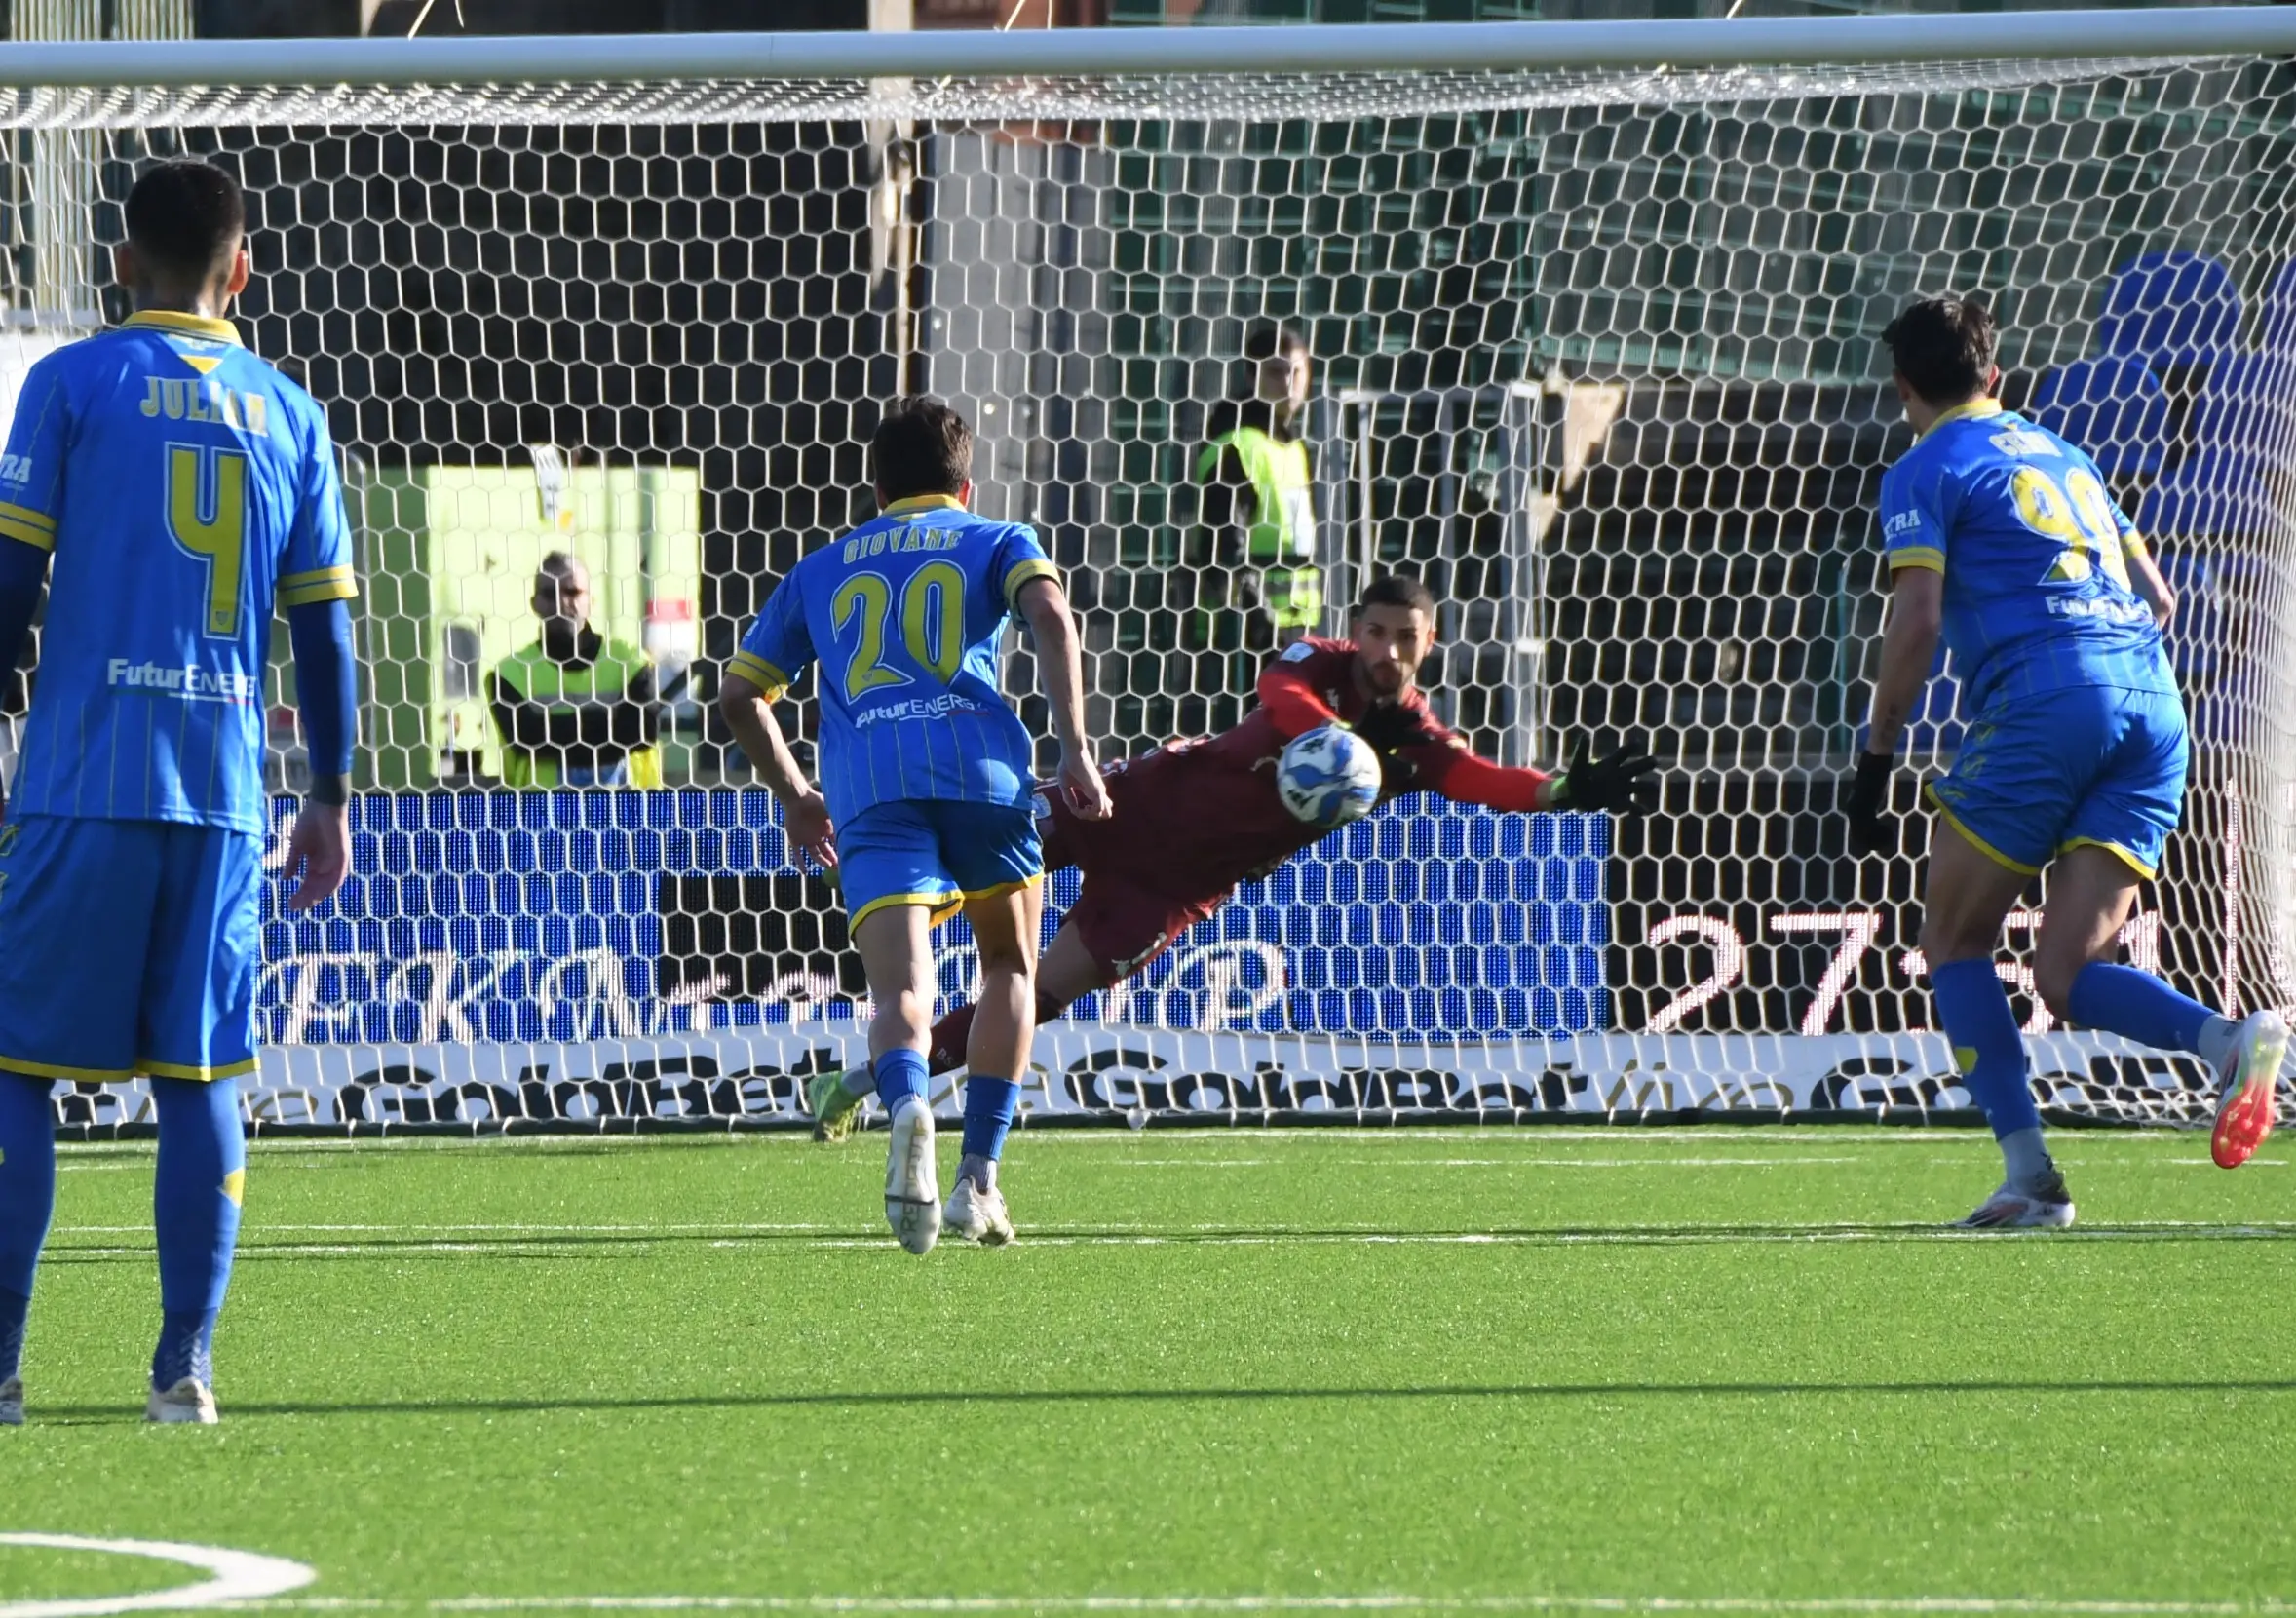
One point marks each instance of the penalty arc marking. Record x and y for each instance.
(235, 1576)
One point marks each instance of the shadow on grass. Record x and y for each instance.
(414, 1242)
(861, 1399)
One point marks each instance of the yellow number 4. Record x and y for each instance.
(208, 518)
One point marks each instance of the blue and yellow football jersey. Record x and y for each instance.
(903, 615)
(2034, 553)
(186, 489)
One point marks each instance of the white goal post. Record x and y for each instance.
(1592, 313)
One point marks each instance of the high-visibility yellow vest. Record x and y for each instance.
(1280, 540)
(540, 678)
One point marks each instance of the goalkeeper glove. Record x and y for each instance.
(1870, 795)
(1625, 783)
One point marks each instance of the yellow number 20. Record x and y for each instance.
(932, 624)
(208, 518)
(2079, 514)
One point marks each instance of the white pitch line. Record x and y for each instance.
(1492, 1163)
(478, 1229)
(838, 1237)
(1980, 1604)
(238, 1576)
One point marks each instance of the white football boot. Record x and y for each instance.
(2245, 1099)
(912, 1177)
(2044, 1205)
(977, 1216)
(189, 1403)
(12, 1402)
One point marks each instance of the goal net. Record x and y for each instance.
(1592, 316)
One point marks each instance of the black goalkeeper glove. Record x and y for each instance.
(1626, 783)
(1390, 725)
(1870, 795)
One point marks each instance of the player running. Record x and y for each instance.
(2001, 534)
(184, 489)
(926, 773)
(1195, 817)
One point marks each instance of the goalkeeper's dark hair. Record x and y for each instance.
(185, 219)
(1944, 347)
(1400, 590)
(921, 446)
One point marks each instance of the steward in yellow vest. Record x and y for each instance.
(575, 709)
(1280, 540)
(1257, 505)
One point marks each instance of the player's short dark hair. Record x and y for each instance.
(185, 218)
(1397, 590)
(921, 446)
(1944, 347)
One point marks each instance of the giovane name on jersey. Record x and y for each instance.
(189, 399)
(863, 546)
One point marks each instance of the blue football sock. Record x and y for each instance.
(900, 1074)
(2138, 1006)
(195, 1210)
(989, 1115)
(1988, 1047)
(27, 1200)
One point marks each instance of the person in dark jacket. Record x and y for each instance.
(575, 709)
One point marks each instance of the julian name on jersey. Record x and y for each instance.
(183, 398)
(188, 681)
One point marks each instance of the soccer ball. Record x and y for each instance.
(1328, 776)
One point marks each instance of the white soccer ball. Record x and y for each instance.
(1328, 776)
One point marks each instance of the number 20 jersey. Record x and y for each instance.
(903, 615)
(186, 489)
(2034, 554)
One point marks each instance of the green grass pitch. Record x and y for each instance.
(1734, 1369)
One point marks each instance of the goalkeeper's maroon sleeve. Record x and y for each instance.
(1288, 695)
(1459, 776)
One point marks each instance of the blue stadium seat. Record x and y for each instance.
(2114, 407)
(2170, 309)
(2217, 489)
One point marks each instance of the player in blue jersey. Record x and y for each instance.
(2001, 536)
(181, 489)
(926, 799)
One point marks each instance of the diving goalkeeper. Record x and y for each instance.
(1195, 817)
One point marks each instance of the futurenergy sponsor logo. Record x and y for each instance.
(933, 707)
(188, 682)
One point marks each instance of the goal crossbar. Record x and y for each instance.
(1360, 47)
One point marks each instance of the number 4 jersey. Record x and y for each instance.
(904, 614)
(2034, 554)
(185, 488)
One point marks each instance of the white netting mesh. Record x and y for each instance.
(1595, 352)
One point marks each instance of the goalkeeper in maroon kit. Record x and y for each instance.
(1194, 818)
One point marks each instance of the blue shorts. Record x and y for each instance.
(2085, 766)
(127, 946)
(935, 853)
